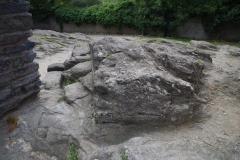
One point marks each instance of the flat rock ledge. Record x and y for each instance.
(146, 82)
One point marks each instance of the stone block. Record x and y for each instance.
(75, 91)
(14, 101)
(33, 85)
(27, 45)
(81, 69)
(11, 38)
(56, 67)
(52, 80)
(5, 64)
(14, 7)
(8, 64)
(5, 94)
(25, 80)
(15, 22)
(32, 67)
(28, 56)
(8, 105)
(19, 77)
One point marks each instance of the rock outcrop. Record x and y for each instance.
(204, 45)
(67, 115)
(148, 82)
(234, 51)
(19, 77)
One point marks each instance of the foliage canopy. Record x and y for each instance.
(139, 14)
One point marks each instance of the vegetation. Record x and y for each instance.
(199, 61)
(12, 121)
(95, 120)
(139, 14)
(123, 155)
(73, 154)
(63, 95)
(67, 81)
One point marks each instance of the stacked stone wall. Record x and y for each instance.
(19, 76)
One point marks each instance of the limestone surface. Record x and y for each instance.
(204, 45)
(68, 114)
(146, 82)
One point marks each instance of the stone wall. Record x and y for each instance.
(19, 77)
(51, 24)
(192, 28)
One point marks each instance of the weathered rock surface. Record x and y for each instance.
(50, 48)
(14, 7)
(141, 148)
(87, 81)
(80, 53)
(15, 22)
(75, 91)
(204, 45)
(10, 38)
(69, 63)
(47, 128)
(79, 70)
(19, 78)
(52, 80)
(48, 124)
(235, 51)
(150, 82)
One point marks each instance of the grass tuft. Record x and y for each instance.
(73, 153)
(12, 121)
(63, 96)
(123, 155)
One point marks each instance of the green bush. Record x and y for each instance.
(227, 11)
(139, 14)
(73, 153)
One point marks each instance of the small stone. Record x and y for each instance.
(56, 67)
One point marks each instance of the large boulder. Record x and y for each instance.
(149, 82)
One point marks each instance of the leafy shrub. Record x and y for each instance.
(73, 154)
(227, 11)
(139, 14)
